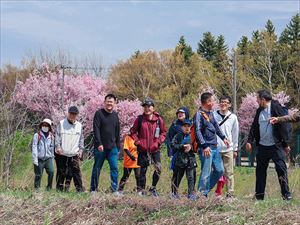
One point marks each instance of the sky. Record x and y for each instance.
(114, 30)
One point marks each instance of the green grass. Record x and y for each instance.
(22, 177)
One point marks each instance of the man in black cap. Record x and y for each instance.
(148, 133)
(69, 143)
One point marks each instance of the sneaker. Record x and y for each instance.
(93, 192)
(230, 195)
(141, 193)
(153, 191)
(193, 197)
(287, 197)
(118, 193)
(175, 196)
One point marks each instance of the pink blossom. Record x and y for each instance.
(41, 94)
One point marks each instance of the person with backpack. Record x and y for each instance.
(206, 131)
(130, 163)
(270, 140)
(182, 114)
(286, 119)
(43, 153)
(185, 161)
(149, 133)
(229, 125)
(106, 127)
(69, 146)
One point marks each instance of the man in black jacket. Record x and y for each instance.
(106, 127)
(270, 140)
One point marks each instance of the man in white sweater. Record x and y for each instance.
(69, 145)
(229, 125)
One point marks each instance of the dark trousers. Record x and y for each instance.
(263, 156)
(126, 174)
(144, 160)
(66, 167)
(38, 171)
(178, 173)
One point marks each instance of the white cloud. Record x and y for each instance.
(43, 29)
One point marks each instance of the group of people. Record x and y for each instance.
(211, 134)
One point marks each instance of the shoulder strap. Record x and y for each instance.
(224, 120)
(39, 137)
(140, 120)
(205, 116)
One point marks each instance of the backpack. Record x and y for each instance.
(288, 125)
(193, 131)
(193, 138)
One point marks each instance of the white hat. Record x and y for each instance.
(48, 121)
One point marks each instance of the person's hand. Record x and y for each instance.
(36, 163)
(59, 151)
(226, 142)
(248, 147)
(100, 148)
(287, 150)
(206, 152)
(79, 154)
(235, 154)
(274, 120)
(187, 148)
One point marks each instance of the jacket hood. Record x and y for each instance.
(186, 111)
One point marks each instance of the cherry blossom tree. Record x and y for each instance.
(41, 94)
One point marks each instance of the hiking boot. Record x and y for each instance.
(153, 191)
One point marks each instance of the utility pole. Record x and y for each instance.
(63, 67)
(234, 83)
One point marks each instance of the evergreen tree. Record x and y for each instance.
(184, 49)
(270, 27)
(243, 45)
(221, 60)
(207, 46)
(284, 37)
(293, 30)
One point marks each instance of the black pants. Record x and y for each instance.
(263, 156)
(68, 168)
(144, 160)
(178, 173)
(126, 174)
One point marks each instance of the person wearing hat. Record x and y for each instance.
(43, 153)
(182, 113)
(69, 145)
(185, 161)
(148, 133)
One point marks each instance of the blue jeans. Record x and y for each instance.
(211, 170)
(99, 157)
